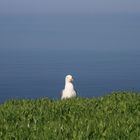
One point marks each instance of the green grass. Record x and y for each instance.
(113, 117)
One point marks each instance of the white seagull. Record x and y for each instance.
(68, 91)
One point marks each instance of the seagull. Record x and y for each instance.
(68, 91)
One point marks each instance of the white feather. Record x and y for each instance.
(68, 91)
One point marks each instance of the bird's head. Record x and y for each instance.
(69, 78)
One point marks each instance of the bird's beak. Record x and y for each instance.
(72, 79)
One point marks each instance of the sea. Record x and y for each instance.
(102, 52)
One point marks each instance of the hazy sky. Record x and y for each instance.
(68, 6)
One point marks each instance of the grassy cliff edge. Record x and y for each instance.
(116, 116)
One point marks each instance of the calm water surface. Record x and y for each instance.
(101, 52)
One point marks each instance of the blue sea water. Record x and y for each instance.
(102, 52)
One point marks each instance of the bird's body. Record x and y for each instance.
(68, 91)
